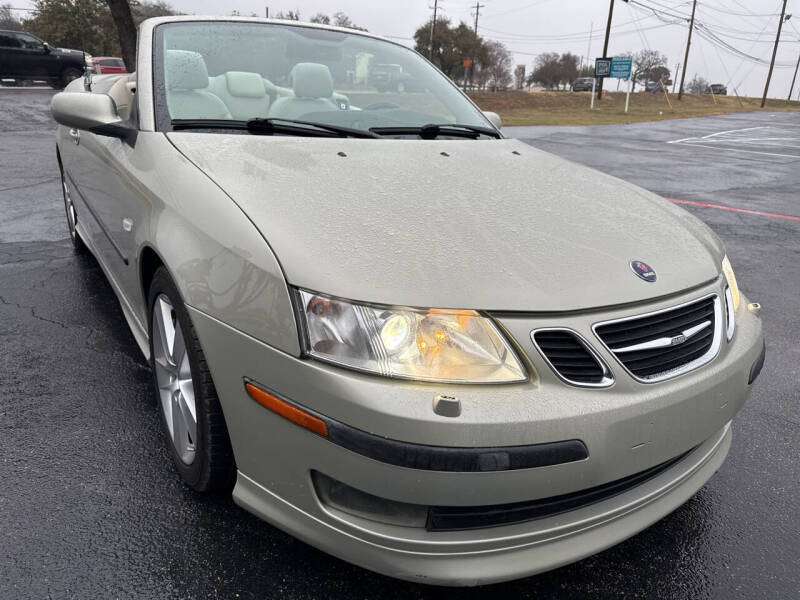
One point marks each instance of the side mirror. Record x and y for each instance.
(494, 119)
(96, 113)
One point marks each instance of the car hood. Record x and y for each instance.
(492, 225)
(69, 51)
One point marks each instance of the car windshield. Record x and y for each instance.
(245, 70)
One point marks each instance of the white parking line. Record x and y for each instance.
(723, 140)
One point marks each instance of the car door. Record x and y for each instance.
(34, 56)
(109, 188)
(10, 51)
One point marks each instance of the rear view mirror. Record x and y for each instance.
(96, 113)
(494, 119)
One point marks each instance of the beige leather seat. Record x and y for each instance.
(245, 94)
(313, 92)
(186, 79)
(122, 94)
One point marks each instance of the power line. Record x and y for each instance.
(511, 10)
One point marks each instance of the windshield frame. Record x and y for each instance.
(162, 121)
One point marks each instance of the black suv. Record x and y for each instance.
(25, 57)
(717, 89)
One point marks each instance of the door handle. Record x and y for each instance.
(75, 135)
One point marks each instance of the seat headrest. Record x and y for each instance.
(185, 70)
(245, 85)
(312, 80)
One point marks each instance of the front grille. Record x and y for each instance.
(666, 343)
(455, 518)
(570, 357)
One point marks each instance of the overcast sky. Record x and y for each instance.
(531, 27)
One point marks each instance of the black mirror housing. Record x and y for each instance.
(122, 130)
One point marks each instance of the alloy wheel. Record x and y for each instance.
(174, 379)
(72, 217)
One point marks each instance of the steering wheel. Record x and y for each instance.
(381, 106)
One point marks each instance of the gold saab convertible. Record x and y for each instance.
(391, 331)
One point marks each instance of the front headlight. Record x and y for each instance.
(457, 346)
(732, 297)
(731, 279)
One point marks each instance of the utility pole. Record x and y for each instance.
(675, 81)
(589, 49)
(791, 89)
(433, 26)
(478, 7)
(605, 45)
(266, 10)
(686, 56)
(774, 54)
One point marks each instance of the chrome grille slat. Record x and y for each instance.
(632, 335)
(695, 343)
(676, 340)
(705, 309)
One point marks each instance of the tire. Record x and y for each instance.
(72, 217)
(70, 74)
(201, 451)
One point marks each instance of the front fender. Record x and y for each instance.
(219, 261)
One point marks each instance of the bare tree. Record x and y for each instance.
(123, 19)
(569, 68)
(645, 64)
(291, 15)
(7, 18)
(147, 10)
(553, 70)
(498, 65)
(697, 85)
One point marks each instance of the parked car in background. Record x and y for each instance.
(108, 65)
(391, 78)
(582, 84)
(24, 57)
(389, 367)
(717, 89)
(657, 87)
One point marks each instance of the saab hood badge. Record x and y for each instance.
(643, 270)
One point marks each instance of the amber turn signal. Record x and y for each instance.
(287, 410)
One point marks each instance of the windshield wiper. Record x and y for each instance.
(434, 130)
(279, 125)
(273, 126)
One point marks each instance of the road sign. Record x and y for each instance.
(621, 67)
(466, 62)
(602, 67)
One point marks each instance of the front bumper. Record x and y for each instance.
(510, 552)
(627, 428)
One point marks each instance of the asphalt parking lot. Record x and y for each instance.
(91, 507)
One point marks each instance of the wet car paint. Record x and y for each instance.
(90, 505)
